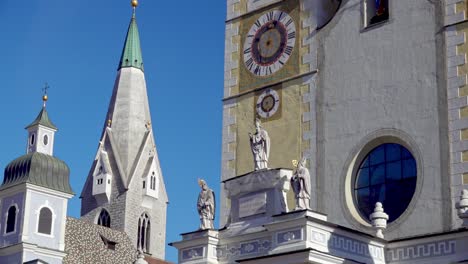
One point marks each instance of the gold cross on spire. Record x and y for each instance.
(44, 96)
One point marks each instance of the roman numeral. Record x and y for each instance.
(258, 24)
(269, 69)
(269, 15)
(288, 50)
(280, 16)
(292, 35)
(288, 23)
(247, 50)
(249, 63)
(257, 70)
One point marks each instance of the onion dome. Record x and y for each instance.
(38, 169)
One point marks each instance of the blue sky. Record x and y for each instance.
(75, 46)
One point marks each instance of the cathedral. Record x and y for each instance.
(124, 200)
(344, 140)
(345, 135)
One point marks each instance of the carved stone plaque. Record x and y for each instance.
(252, 204)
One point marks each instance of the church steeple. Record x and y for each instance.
(41, 131)
(131, 53)
(125, 181)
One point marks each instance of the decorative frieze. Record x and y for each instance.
(193, 253)
(428, 250)
(289, 236)
(259, 246)
(348, 245)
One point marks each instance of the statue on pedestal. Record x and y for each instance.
(206, 206)
(300, 183)
(260, 145)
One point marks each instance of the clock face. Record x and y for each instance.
(269, 43)
(268, 103)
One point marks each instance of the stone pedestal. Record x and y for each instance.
(257, 196)
(198, 247)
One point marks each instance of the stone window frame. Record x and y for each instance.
(385, 180)
(38, 214)
(364, 15)
(145, 220)
(351, 166)
(15, 224)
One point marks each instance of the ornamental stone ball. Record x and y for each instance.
(206, 206)
(462, 208)
(140, 258)
(379, 220)
(260, 145)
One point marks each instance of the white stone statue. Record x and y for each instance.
(300, 183)
(260, 145)
(462, 208)
(379, 220)
(206, 206)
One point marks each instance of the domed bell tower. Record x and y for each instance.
(33, 199)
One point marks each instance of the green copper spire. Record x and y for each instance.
(131, 54)
(43, 118)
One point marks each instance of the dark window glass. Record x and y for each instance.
(104, 218)
(143, 239)
(409, 168)
(46, 140)
(45, 221)
(377, 156)
(387, 175)
(363, 179)
(377, 174)
(32, 140)
(11, 219)
(377, 11)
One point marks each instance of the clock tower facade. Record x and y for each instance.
(325, 78)
(270, 74)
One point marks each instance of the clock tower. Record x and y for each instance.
(271, 75)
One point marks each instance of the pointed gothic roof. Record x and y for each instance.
(131, 53)
(42, 119)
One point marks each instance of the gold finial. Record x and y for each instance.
(44, 96)
(134, 3)
(109, 123)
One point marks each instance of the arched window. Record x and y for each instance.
(44, 225)
(11, 219)
(387, 175)
(104, 218)
(144, 228)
